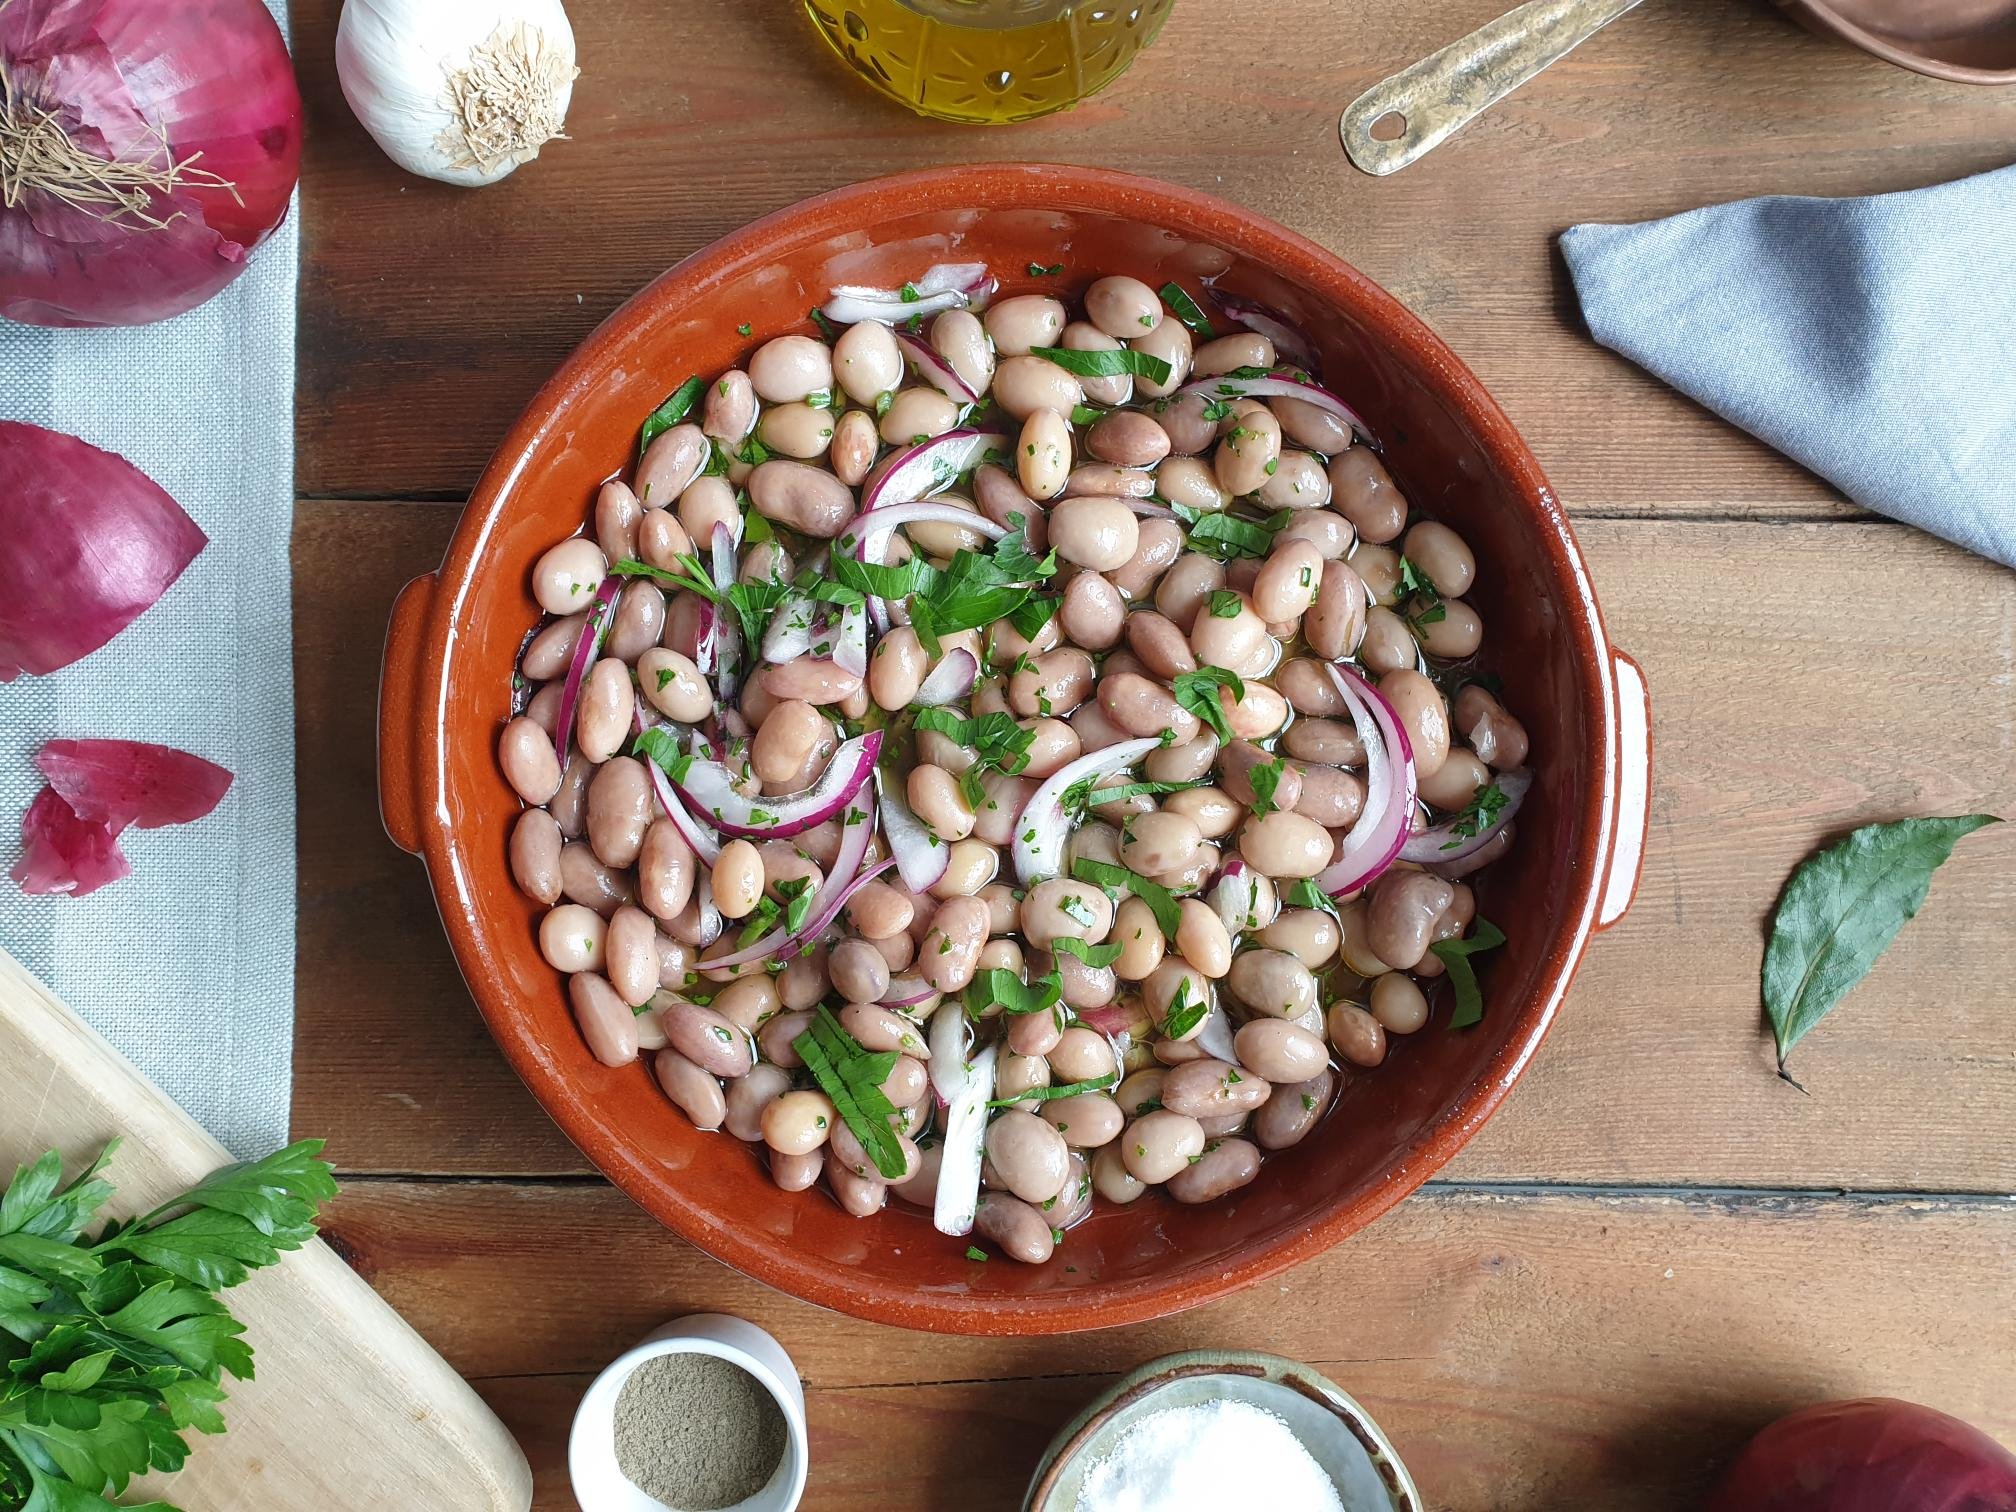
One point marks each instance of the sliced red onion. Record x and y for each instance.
(944, 286)
(1043, 828)
(921, 857)
(1281, 387)
(728, 660)
(1215, 1038)
(850, 646)
(1444, 846)
(1476, 861)
(934, 369)
(1115, 1018)
(707, 640)
(724, 540)
(710, 787)
(1290, 344)
(907, 992)
(929, 467)
(958, 1196)
(1388, 816)
(1149, 509)
(951, 679)
(711, 924)
(946, 1041)
(697, 836)
(791, 631)
(586, 648)
(846, 880)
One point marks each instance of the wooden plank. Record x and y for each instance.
(1804, 678)
(407, 381)
(1525, 1353)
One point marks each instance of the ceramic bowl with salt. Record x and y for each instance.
(1339, 1434)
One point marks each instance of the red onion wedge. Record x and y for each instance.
(710, 788)
(841, 886)
(1280, 387)
(701, 840)
(907, 992)
(1442, 845)
(928, 467)
(1044, 826)
(1290, 344)
(62, 853)
(950, 680)
(921, 857)
(958, 1196)
(586, 648)
(1388, 815)
(850, 646)
(707, 640)
(92, 543)
(792, 630)
(1215, 1038)
(944, 286)
(1116, 1018)
(933, 370)
(1149, 509)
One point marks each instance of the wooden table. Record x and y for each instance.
(1657, 1245)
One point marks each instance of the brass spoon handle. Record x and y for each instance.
(1446, 91)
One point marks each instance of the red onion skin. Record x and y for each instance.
(1875, 1454)
(122, 782)
(92, 542)
(233, 100)
(64, 854)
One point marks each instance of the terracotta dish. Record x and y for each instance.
(1972, 41)
(455, 638)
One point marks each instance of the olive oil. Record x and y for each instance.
(988, 61)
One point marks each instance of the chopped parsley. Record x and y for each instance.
(1183, 1015)
(1478, 815)
(999, 985)
(1306, 894)
(1186, 310)
(1084, 414)
(1092, 955)
(972, 590)
(1455, 954)
(1225, 604)
(1069, 1089)
(1037, 270)
(974, 1252)
(659, 747)
(1161, 902)
(826, 327)
(1266, 781)
(1227, 537)
(1423, 604)
(742, 329)
(1198, 692)
(670, 413)
(1116, 363)
(853, 1078)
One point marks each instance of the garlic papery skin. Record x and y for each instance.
(458, 90)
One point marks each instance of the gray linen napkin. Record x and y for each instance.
(1872, 340)
(187, 965)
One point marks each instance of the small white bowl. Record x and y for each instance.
(591, 1448)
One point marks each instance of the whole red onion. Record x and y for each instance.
(146, 147)
(1871, 1455)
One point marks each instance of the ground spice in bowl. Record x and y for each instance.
(697, 1432)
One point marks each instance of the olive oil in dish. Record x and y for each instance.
(985, 62)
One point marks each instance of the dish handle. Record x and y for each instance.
(399, 713)
(1631, 758)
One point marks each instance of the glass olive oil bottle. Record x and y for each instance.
(988, 61)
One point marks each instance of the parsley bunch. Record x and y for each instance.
(112, 1348)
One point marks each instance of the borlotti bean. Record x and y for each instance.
(1018, 754)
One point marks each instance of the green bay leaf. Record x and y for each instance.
(1840, 911)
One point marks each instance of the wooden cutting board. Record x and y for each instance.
(351, 1409)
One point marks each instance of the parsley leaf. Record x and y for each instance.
(1092, 955)
(1455, 954)
(1186, 310)
(996, 740)
(853, 1078)
(1225, 604)
(1069, 1089)
(1477, 815)
(1424, 605)
(999, 985)
(1161, 902)
(799, 895)
(1037, 270)
(1227, 537)
(1118, 362)
(1183, 1015)
(670, 413)
(1306, 894)
(1266, 780)
(658, 746)
(1198, 692)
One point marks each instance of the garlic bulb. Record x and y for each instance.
(457, 90)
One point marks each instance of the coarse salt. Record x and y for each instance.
(1206, 1458)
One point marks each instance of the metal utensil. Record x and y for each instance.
(1401, 118)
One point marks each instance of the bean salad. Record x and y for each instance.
(1005, 752)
